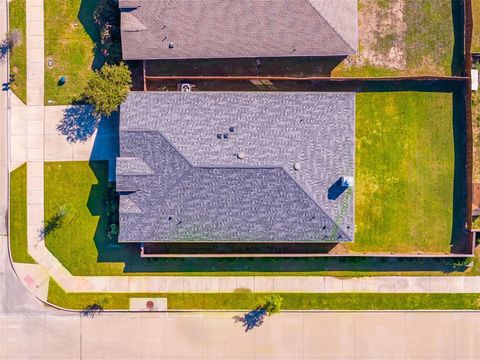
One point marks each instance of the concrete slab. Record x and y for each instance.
(61, 337)
(466, 336)
(333, 285)
(438, 284)
(299, 284)
(34, 154)
(58, 149)
(127, 330)
(263, 284)
(380, 336)
(35, 127)
(281, 337)
(18, 120)
(352, 285)
(34, 97)
(370, 284)
(177, 337)
(282, 284)
(210, 284)
(421, 284)
(329, 335)
(34, 76)
(35, 27)
(192, 284)
(404, 284)
(26, 336)
(35, 142)
(139, 284)
(386, 284)
(34, 182)
(315, 284)
(227, 284)
(35, 168)
(34, 15)
(222, 339)
(35, 214)
(35, 197)
(436, 343)
(244, 283)
(18, 148)
(35, 41)
(471, 284)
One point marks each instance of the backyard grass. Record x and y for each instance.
(291, 301)
(405, 166)
(18, 58)
(70, 36)
(18, 215)
(476, 26)
(404, 37)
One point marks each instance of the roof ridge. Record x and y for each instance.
(331, 26)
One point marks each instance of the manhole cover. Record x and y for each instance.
(150, 304)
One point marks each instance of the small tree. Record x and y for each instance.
(14, 38)
(273, 304)
(108, 88)
(107, 18)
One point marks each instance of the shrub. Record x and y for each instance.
(107, 18)
(108, 88)
(273, 304)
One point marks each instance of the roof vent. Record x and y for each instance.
(241, 155)
(232, 129)
(296, 166)
(347, 181)
(225, 136)
(170, 45)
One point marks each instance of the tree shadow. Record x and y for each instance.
(78, 123)
(252, 319)
(85, 16)
(4, 50)
(53, 223)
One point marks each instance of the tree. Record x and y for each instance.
(273, 304)
(107, 18)
(108, 88)
(14, 38)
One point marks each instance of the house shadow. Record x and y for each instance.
(85, 16)
(458, 57)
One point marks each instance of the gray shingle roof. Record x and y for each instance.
(186, 182)
(234, 28)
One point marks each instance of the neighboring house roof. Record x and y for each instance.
(181, 178)
(237, 28)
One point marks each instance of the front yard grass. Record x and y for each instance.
(291, 301)
(404, 163)
(70, 36)
(404, 37)
(18, 58)
(18, 215)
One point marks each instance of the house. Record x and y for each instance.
(236, 167)
(206, 29)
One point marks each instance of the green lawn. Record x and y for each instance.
(18, 59)
(404, 172)
(81, 244)
(291, 301)
(70, 34)
(425, 40)
(18, 215)
(476, 26)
